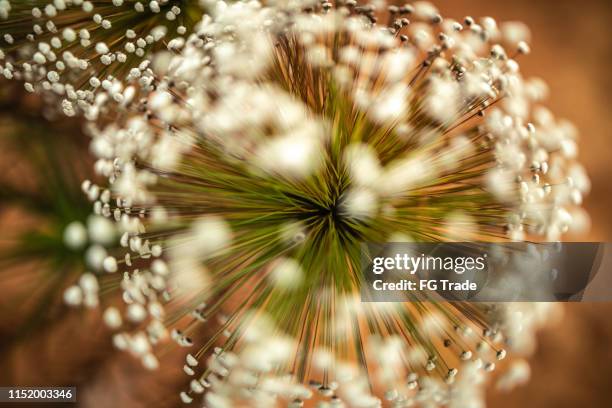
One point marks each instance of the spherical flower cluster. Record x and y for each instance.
(268, 144)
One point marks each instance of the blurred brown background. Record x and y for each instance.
(571, 50)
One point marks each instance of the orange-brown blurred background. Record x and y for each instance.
(572, 50)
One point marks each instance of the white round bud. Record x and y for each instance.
(75, 235)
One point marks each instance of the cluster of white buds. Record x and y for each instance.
(253, 157)
(82, 51)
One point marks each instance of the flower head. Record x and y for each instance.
(272, 143)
